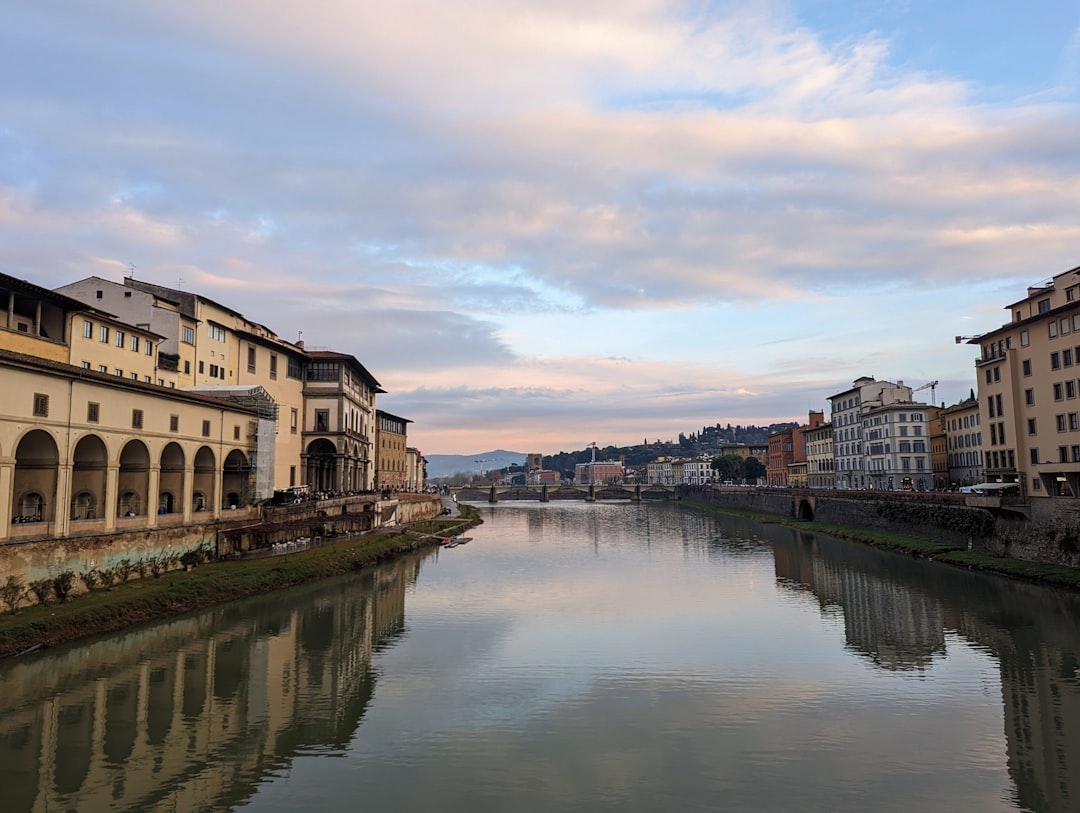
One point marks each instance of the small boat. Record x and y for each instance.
(461, 540)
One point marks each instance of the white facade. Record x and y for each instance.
(847, 411)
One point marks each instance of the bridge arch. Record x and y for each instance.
(805, 509)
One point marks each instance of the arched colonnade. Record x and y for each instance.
(107, 481)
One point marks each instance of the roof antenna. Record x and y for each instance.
(131, 269)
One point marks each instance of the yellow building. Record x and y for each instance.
(391, 443)
(1029, 393)
(210, 345)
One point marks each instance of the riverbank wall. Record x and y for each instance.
(250, 529)
(1043, 530)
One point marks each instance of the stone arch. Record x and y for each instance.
(37, 463)
(171, 482)
(89, 469)
(236, 480)
(133, 484)
(806, 510)
(322, 465)
(205, 480)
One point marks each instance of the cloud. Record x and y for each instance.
(499, 195)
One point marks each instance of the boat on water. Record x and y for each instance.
(453, 542)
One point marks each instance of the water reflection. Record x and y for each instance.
(897, 612)
(193, 713)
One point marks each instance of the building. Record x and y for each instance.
(963, 443)
(1028, 392)
(896, 439)
(847, 409)
(698, 472)
(659, 472)
(415, 470)
(338, 424)
(534, 461)
(786, 464)
(745, 451)
(939, 450)
(599, 473)
(207, 344)
(819, 457)
(391, 443)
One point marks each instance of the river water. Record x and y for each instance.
(573, 657)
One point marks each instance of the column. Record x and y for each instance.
(112, 495)
(153, 495)
(7, 484)
(62, 504)
(188, 493)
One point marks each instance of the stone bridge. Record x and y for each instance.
(590, 493)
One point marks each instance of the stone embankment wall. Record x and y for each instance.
(46, 558)
(1049, 533)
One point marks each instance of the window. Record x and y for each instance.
(993, 432)
(206, 429)
(292, 421)
(1070, 389)
(1070, 294)
(989, 375)
(161, 382)
(1044, 306)
(213, 371)
(292, 476)
(119, 338)
(997, 402)
(324, 371)
(202, 367)
(1031, 426)
(221, 373)
(293, 369)
(1025, 340)
(1063, 454)
(134, 376)
(148, 348)
(136, 418)
(1066, 358)
(1036, 484)
(102, 368)
(1058, 393)
(146, 378)
(1025, 365)
(990, 405)
(187, 335)
(135, 344)
(1029, 397)
(41, 405)
(1034, 455)
(1059, 420)
(187, 367)
(103, 335)
(1074, 421)
(997, 373)
(93, 411)
(236, 432)
(118, 373)
(322, 420)
(1064, 327)
(273, 366)
(1055, 361)
(251, 360)
(87, 329)
(216, 332)
(1052, 328)
(174, 423)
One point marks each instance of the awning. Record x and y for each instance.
(994, 486)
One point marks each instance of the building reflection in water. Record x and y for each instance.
(898, 611)
(192, 714)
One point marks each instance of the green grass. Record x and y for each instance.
(178, 591)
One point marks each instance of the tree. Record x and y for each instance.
(752, 469)
(728, 467)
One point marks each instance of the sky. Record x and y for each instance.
(545, 224)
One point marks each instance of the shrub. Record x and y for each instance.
(42, 590)
(91, 578)
(124, 569)
(12, 593)
(62, 584)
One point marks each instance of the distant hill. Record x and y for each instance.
(445, 465)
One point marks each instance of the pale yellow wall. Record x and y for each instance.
(97, 353)
(18, 342)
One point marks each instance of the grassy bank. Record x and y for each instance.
(1059, 575)
(178, 591)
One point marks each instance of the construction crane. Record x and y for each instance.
(932, 386)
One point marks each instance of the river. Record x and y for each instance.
(573, 657)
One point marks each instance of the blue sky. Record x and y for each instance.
(545, 224)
